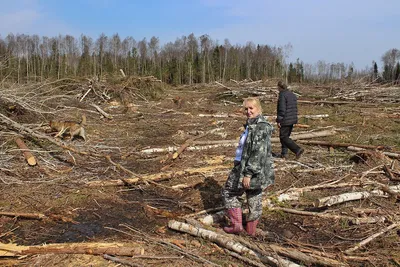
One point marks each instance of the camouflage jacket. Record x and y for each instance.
(256, 159)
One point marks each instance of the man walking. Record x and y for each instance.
(286, 118)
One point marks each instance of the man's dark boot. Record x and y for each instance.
(299, 153)
(284, 156)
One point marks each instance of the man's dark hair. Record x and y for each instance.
(282, 85)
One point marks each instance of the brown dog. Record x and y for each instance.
(71, 127)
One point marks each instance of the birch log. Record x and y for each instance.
(337, 199)
(219, 239)
(122, 73)
(309, 259)
(353, 220)
(226, 242)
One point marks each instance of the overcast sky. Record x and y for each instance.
(358, 31)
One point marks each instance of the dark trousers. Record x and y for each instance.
(286, 142)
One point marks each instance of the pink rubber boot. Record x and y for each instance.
(251, 227)
(235, 216)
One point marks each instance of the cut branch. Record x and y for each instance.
(26, 152)
(372, 237)
(118, 249)
(31, 216)
(102, 112)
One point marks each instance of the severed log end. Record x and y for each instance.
(298, 125)
(27, 154)
(31, 161)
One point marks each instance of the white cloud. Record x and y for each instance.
(29, 17)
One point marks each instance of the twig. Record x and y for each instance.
(87, 92)
(123, 261)
(372, 237)
(102, 112)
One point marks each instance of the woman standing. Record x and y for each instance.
(252, 172)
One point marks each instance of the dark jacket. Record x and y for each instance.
(256, 159)
(287, 108)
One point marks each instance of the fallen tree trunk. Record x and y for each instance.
(27, 154)
(219, 239)
(117, 249)
(203, 145)
(225, 242)
(274, 139)
(317, 116)
(295, 193)
(37, 216)
(353, 220)
(332, 144)
(224, 143)
(157, 176)
(337, 199)
(31, 216)
(308, 259)
(389, 154)
(316, 102)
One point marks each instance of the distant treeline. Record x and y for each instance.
(188, 60)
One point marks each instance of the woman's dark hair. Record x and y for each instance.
(282, 85)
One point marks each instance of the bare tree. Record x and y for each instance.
(205, 44)
(192, 47)
(115, 45)
(142, 45)
(101, 44)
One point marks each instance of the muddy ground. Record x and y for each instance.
(58, 185)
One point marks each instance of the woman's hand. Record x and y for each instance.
(246, 182)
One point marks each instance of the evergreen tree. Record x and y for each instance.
(397, 73)
(375, 70)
